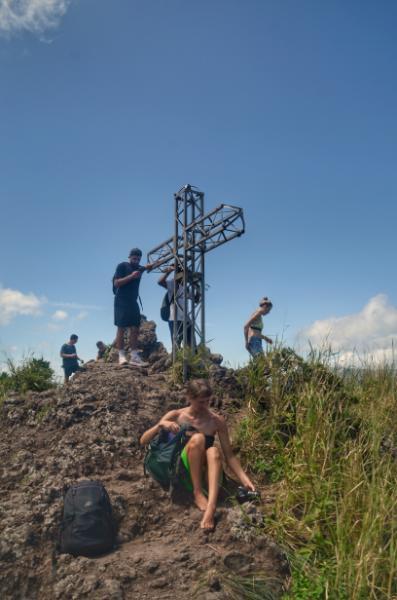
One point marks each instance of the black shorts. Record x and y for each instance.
(69, 370)
(127, 315)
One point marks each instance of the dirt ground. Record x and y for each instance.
(89, 429)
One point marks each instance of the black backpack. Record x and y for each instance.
(87, 528)
(165, 308)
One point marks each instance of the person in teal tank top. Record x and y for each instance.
(254, 326)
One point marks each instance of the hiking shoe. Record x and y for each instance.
(136, 361)
(122, 360)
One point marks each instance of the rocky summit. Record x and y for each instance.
(89, 429)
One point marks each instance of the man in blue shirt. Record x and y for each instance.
(126, 282)
(70, 360)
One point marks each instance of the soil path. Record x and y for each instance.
(89, 429)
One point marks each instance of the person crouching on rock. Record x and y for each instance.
(102, 350)
(199, 453)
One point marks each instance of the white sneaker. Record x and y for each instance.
(136, 361)
(122, 360)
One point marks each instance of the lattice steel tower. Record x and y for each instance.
(195, 234)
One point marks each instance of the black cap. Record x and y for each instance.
(135, 252)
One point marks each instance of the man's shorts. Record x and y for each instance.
(127, 315)
(70, 370)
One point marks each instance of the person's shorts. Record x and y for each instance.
(69, 370)
(255, 346)
(127, 315)
(185, 476)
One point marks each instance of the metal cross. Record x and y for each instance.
(195, 234)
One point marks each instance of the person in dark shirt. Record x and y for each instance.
(70, 360)
(174, 287)
(126, 282)
(102, 350)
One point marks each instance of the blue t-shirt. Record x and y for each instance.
(129, 292)
(69, 362)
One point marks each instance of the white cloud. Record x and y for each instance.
(372, 332)
(82, 315)
(31, 15)
(14, 303)
(76, 305)
(59, 315)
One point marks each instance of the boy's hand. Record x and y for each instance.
(170, 426)
(248, 484)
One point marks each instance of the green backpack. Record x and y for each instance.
(163, 457)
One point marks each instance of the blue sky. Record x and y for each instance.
(287, 109)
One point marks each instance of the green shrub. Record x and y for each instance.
(32, 374)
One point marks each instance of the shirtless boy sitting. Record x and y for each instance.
(199, 452)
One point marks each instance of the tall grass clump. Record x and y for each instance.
(198, 364)
(32, 374)
(329, 438)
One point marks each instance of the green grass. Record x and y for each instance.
(198, 364)
(329, 438)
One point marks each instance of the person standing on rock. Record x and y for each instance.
(199, 453)
(254, 326)
(126, 282)
(176, 297)
(70, 360)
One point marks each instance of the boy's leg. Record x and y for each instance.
(119, 343)
(195, 449)
(214, 466)
(134, 333)
(67, 373)
(135, 358)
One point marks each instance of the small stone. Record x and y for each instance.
(125, 476)
(159, 583)
(214, 583)
(235, 561)
(130, 576)
(184, 556)
(152, 566)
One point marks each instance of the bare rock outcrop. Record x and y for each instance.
(89, 429)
